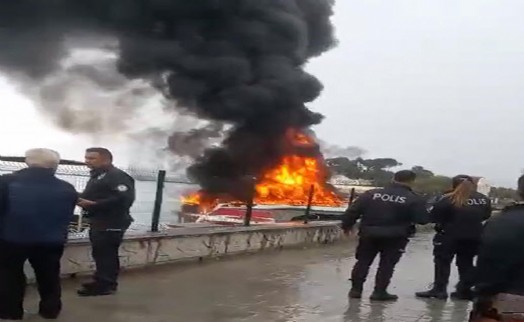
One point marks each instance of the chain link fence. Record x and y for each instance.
(146, 188)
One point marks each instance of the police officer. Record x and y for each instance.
(106, 201)
(387, 219)
(459, 217)
(499, 277)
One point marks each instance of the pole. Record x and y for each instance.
(249, 204)
(352, 196)
(309, 201)
(161, 178)
(79, 223)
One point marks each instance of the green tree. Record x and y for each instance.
(421, 172)
(376, 170)
(503, 193)
(433, 185)
(378, 164)
(346, 167)
(379, 171)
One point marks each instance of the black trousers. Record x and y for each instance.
(390, 251)
(105, 245)
(445, 249)
(45, 260)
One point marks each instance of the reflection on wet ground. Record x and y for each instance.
(293, 285)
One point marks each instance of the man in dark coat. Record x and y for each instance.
(35, 211)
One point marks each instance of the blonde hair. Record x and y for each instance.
(460, 195)
(42, 158)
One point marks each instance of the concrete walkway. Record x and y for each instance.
(294, 285)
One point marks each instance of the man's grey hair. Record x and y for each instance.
(42, 158)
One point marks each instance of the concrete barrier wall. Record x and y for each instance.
(183, 244)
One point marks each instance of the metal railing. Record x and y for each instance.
(158, 194)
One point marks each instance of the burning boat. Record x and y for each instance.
(231, 214)
(296, 188)
(238, 65)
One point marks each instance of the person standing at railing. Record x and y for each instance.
(35, 211)
(106, 201)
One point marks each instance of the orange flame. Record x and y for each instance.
(205, 203)
(192, 199)
(289, 183)
(297, 137)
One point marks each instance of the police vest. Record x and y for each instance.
(477, 202)
(389, 198)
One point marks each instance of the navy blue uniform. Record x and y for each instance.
(387, 218)
(458, 234)
(35, 211)
(500, 261)
(113, 190)
(500, 264)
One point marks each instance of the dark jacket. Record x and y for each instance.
(500, 264)
(387, 212)
(461, 223)
(35, 207)
(113, 190)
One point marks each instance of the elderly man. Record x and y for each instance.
(35, 211)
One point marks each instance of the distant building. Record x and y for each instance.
(345, 184)
(345, 181)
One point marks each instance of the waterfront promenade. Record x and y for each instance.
(292, 285)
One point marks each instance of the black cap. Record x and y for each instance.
(459, 179)
(404, 176)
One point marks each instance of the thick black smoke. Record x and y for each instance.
(239, 62)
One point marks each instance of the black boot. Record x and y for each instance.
(50, 310)
(356, 291)
(441, 280)
(90, 285)
(11, 317)
(464, 294)
(434, 293)
(49, 315)
(382, 295)
(463, 291)
(96, 290)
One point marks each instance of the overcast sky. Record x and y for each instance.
(432, 82)
(429, 82)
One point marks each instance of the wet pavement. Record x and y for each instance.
(293, 285)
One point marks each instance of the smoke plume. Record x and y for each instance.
(234, 62)
(91, 98)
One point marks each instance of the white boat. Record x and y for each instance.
(262, 214)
